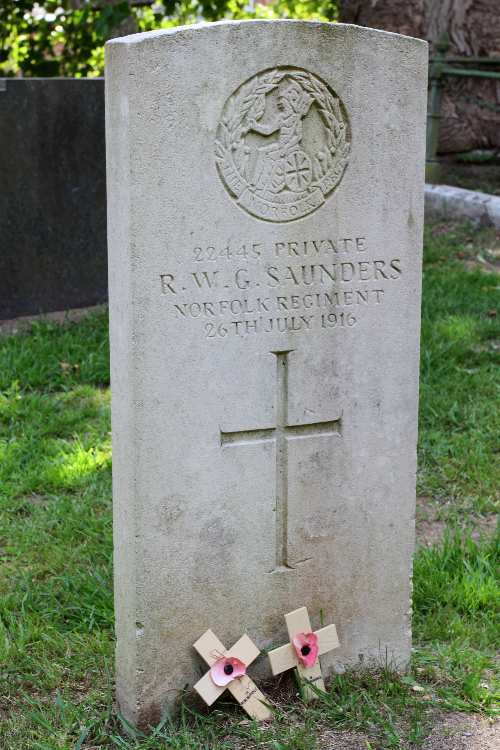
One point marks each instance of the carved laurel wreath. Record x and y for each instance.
(248, 104)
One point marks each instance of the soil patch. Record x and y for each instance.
(431, 529)
(463, 732)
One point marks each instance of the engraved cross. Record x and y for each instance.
(281, 434)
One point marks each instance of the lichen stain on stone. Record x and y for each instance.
(218, 544)
(311, 533)
(149, 716)
(319, 459)
(171, 511)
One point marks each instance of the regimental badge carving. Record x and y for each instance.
(282, 144)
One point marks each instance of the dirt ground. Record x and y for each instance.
(430, 529)
(463, 732)
(450, 732)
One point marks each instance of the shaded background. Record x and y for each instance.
(52, 196)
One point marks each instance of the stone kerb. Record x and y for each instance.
(447, 202)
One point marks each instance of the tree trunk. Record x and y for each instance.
(471, 106)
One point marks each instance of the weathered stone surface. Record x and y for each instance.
(53, 195)
(264, 367)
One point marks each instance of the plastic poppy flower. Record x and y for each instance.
(226, 670)
(306, 648)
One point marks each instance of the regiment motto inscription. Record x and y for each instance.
(282, 144)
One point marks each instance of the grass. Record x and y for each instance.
(56, 618)
(459, 424)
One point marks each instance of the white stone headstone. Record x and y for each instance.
(265, 227)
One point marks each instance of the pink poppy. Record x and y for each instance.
(306, 648)
(226, 670)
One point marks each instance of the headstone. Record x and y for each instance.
(265, 225)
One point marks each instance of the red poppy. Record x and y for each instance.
(226, 670)
(306, 648)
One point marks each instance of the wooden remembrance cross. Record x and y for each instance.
(281, 434)
(242, 688)
(285, 657)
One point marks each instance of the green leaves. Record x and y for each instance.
(56, 37)
(66, 37)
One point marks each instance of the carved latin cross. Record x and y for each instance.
(280, 434)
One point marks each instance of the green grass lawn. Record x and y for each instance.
(56, 613)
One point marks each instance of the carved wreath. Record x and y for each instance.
(248, 105)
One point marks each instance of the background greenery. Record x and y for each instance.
(66, 37)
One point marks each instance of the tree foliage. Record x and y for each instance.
(66, 37)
